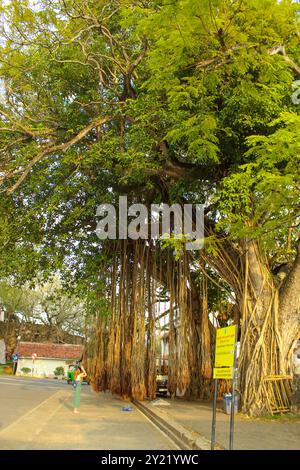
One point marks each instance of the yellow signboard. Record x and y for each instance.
(223, 373)
(225, 346)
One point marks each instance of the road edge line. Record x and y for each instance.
(30, 412)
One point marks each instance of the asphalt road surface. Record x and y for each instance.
(19, 395)
(38, 414)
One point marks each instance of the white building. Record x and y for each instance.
(43, 358)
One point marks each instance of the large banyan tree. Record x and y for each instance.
(178, 101)
(138, 276)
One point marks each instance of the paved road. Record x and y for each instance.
(38, 414)
(18, 396)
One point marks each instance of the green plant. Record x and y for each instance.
(26, 370)
(59, 371)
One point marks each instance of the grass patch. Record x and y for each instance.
(283, 417)
(279, 418)
(6, 369)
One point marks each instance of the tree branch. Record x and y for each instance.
(219, 61)
(57, 148)
(281, 50)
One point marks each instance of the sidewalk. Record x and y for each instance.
(100, 425)
(250, 434)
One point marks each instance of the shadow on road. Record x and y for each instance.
(66, 404)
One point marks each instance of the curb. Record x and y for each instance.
(183, 437)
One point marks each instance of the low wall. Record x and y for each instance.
(41, 367)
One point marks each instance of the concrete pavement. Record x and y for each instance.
(42, 417)
(250, 434)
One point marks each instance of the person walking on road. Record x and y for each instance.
(79, 375)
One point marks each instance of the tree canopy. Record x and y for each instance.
(46, 304)
(176, 100)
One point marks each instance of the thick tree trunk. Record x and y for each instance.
(201, 357)
(289, 306)
(269, 326)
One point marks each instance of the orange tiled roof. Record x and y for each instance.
(50, 350)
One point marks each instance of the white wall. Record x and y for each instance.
(41, 367)
(2, 352)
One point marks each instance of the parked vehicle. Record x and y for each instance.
(162, 384)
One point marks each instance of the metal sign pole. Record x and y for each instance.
(232, 410)
(213, 427)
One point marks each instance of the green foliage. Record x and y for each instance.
(47, 303)
(262, 197)
(59, 371)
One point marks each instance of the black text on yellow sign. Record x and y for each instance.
(223, 373)
(225, 346)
